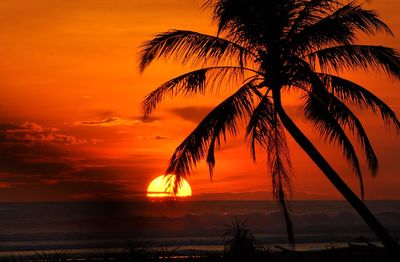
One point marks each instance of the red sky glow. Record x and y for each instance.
(70, 120)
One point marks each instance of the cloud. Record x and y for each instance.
(33, 169)
(152, 137)
(25, 167)
(157, 137)
(36, 161)
(111, 121)
(26, 127)
(32, 133)
(32, 152)
(192, 113)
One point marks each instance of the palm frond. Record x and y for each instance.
(355, 94)
(189, 46)
(265, 130)
(364, 20)
(309, 12)
(317, 110)
(279, 160)
(352, 57)
(281, 170)
(330, 116)
(347, 119)
(338, 28)
(211, 131)
(286, 212)
(326, 31)
(260, 125)
(194, 82)
(252, 23)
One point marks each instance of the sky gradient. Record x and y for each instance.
(70, 120)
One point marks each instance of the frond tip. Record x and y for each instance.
(351, 57)
(357, 95)
(334, 28)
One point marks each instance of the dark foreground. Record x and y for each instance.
(351, 253)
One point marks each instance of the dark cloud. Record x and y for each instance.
(33, 163)
(116, 179)
(149, 119)
(27, 169)
(102, 191)
(34, 151)
(102, 114)
(25, 127)
(157, 137)
(21, 164)
(34, 154)
(111, 121)
(32, 133)
(192, 113)
(197, 113)
(132, 170)
(67, 191)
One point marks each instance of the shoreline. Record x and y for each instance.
(351, 252)
(186, 249)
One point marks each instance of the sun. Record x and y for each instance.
(162, 186)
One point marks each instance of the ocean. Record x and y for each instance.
(187, 225)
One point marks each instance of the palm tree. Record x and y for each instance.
(270, 48)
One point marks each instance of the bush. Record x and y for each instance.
(239, 241)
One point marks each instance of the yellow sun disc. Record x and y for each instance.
(162, 186)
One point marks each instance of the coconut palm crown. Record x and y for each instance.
(262, 50)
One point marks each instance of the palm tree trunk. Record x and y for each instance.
(333, 177)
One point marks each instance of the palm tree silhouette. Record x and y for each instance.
(271, 47)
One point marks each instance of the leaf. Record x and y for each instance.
(211, 130)
(318, 111)
(187, 46)
(194, 82)
(338, 28)
(353, 93)
(352, 57)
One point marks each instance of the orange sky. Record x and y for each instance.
(70, 123)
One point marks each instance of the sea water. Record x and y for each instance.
(189, 225)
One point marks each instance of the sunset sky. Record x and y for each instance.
(70, 120)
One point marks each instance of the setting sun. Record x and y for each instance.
(162, 186)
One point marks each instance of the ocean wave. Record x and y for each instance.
(317, 222)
